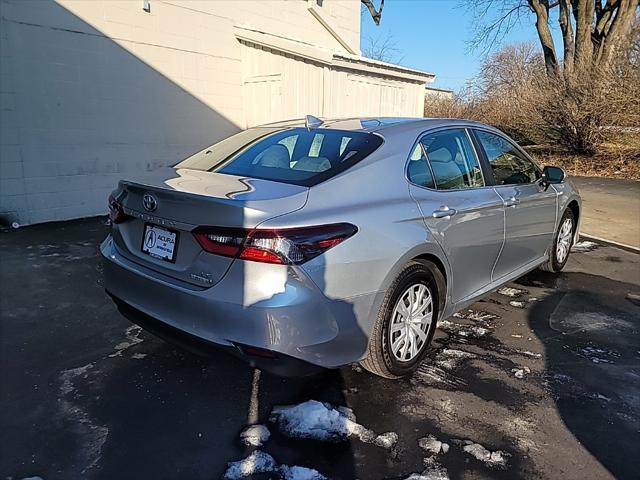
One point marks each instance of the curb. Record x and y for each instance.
(611, 243)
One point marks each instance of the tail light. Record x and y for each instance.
(116, 213)
(283, 246)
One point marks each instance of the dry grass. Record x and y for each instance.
(613, 160)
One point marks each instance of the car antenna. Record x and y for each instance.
(312, 122)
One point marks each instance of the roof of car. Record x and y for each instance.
(378, 124)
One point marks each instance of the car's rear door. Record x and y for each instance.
(530, 209)
(465, 215)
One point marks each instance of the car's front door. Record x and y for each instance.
(465, 216)
(530, 209)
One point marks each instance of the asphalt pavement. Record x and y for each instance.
(539, 381)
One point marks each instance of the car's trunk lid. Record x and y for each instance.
(178, 201)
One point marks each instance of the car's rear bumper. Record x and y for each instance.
(266, 360)
(274, 308)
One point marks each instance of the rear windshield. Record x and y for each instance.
(297, 156)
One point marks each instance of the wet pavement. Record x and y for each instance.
(539, 381)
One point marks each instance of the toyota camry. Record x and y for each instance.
(314, 244)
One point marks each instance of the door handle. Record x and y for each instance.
(511, 202)
(444, 212)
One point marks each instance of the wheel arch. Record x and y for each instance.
(575, 209)
(430, 252)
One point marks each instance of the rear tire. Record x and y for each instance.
(406, 321)
(562, 243)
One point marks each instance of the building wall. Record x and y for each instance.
(93, 91)
(438, 94)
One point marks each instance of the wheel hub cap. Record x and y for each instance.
(565, 236)
(410, 322)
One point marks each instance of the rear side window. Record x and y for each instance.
(447, 160)
(297, 156)
(419, 171)
(509, 166)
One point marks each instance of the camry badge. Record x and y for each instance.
(149, 202)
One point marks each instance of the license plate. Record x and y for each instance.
(159, 242)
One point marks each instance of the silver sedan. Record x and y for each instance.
(314, 244)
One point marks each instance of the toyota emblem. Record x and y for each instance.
(149, 202)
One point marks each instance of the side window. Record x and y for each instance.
(453, 161)
(508, 164)
(418, 170)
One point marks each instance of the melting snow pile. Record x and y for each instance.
(511, 292)
(477, 315)
(521, 372)
(433, 471)
(386, 440)
(529, 354)
(322, 421)
(261, 462)
(462, 330)
(582, 247)
(516, 303)
(299, 473)
(433, 445)
(494, 459)
(255, 435)
(257, 462)
(450, 358)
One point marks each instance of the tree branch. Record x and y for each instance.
(375, 14)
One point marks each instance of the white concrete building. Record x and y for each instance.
(92, 91)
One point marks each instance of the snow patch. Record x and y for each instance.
(450, 358)
(93, 436)
(481, 316)
(598, 355)
(132, 334)
(598, 396)
(521, 372)
(511, 292)
(516, 303)
(138, 356)
(386, 440)
(257, 462)
(261, 462)
(496, 459)
(529, 354)
(433, 471)
(585, 246)
(255, 435)
(433, 445)
(322, 421)
(300, 473)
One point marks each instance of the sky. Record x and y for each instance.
(433, 35)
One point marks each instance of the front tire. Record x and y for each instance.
(562, 243)
(406, 321)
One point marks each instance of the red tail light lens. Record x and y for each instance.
(281, 246)
(116, 213)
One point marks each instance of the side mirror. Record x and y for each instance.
(552, 175)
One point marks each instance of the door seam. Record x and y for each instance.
(504, 234)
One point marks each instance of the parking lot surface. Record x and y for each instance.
(541, 380)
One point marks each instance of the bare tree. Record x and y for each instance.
(593, 31)
(383, 48)
(376, 14)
